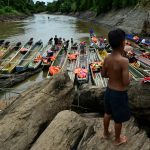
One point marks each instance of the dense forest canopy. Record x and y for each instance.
(99, 6)
(94, 5)
(24, 6)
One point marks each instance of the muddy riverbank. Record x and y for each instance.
(12, 17)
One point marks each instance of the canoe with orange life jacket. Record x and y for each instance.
(37, 59)
(54, 70)
(48, 60)
(95, 66)
(72, 56)
(81, 73)
(52, 58)
(94, 39)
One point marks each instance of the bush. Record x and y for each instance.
(8, 9)
(2, 11)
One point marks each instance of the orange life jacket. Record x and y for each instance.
(52, 58)
(81, 73)
(54, 70)
(94, 39)
(72, 56)
(37, 59)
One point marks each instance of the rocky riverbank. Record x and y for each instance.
(40, 118)
(132, 20)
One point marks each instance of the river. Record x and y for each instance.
(39, 26)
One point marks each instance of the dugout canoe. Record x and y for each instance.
(28, 57)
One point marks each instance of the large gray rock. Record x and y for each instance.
(63, 133)
(93, 137)
(91, 98)
(23, 121)
(69, 131)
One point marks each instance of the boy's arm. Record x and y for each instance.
(104, 70)
(125, 72)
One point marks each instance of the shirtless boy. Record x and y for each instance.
(116, 99)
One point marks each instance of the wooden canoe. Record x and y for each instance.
(144, 60)
(37, 60)
(142, 68)
(27, 46)
(46, 62)
(13, 50)
(82, 69)
(10, 66)
(58, 63)
(95, 59)
(5, 49)
(135, 73)
(72, 60)
(28, 57)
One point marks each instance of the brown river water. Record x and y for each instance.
(39, 27)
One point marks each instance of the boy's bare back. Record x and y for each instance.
(116, 69)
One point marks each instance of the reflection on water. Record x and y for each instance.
(40, 27)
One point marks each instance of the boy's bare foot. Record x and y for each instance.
(122, 140)
(107, 135)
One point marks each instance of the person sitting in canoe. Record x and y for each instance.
(82, 46)
(30, 42)
(71, 41)
(101, 46)
(60, 41)
(50, 41)
(66, 45)
(101, 39)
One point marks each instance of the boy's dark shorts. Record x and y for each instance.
(116, 104)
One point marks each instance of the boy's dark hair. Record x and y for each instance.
(116, 38)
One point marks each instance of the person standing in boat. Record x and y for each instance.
(91, 32)
(115, 68)
(71, 41)
(82, 47)
(66, 45)
(56, 40)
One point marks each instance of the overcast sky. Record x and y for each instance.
(43, 0)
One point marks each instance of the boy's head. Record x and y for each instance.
(116, 39)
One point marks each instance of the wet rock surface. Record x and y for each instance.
(64, 132)
(26, 118)
(71, 131)
(92, 97)
(36, 119)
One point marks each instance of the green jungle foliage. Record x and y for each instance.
(98, 6)
(23, 6)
